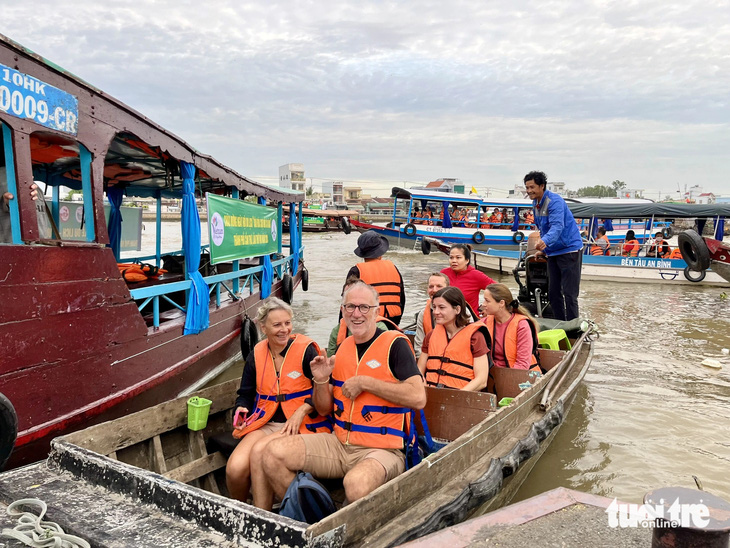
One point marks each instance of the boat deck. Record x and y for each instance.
(103, 518)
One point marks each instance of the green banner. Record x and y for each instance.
(239, 229)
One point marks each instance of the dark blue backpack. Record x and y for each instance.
(306, 500)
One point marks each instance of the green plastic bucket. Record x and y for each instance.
(198, 409)
(504, 402)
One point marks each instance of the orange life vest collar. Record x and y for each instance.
(289, 388)
(450, 362)
(509, 344)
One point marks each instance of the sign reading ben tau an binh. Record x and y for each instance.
(239, 229)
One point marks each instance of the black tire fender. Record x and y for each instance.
(518, 237)
(478, 237)
(409, 229)
(8, 429)
(305, 280)
(694, 250)
(287, 288)
(345, 224)
(249, 336)
(692, 278)
(425, 247)
(668, 232)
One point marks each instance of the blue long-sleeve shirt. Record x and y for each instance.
(556, 225)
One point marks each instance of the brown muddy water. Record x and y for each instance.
(648, 414)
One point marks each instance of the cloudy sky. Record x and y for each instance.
(392, 93)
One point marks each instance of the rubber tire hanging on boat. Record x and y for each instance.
(409, 230)
(478, 237)
(8, 429)
(518, 237)
(425, 247)
(305, 280)
(701, 275)
(345, 224)
(287, 288)
(694, 250)
(249, 336)
(668, 232)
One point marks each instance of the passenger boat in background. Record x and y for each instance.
(169, 481)
(408, 230)
(640, 268)
(79, 344)
(326, 220)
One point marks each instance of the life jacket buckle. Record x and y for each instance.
(347, 426)
(383, 430)
(280, 398)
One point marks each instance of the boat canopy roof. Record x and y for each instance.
(139, 155)
(458, 199)
(619, 210)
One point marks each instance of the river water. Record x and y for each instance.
(648, 415)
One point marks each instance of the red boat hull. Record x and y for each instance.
(77, 351)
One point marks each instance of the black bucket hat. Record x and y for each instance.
(371, 245)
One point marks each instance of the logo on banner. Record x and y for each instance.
(274, 229)
(217, 230)
(79, 214)
(64, 213)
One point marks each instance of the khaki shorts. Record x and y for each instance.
(327, 457)
(270, 428)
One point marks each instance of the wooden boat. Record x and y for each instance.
(79, 345)
(151, 457)
(326, 220)
(477, 230)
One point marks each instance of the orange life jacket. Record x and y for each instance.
(675, 254)
(428, 322)
(630, 248)
(384, 277)
(509, 344)
(342, 331)
(289, 388)
(368, 420)
(598, 250)
(450, 362)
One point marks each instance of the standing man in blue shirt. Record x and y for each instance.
(560, 240)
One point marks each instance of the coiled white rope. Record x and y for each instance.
(33, 531)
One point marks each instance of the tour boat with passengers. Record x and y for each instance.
(467, 219)
(148, 477)
(87, 335)
(642, 263)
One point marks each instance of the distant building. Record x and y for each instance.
(291, 177)
(706, 198)
(558, 187)
(444, 185)
(334, 191)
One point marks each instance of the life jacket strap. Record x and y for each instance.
(382, 430)
(286, 397)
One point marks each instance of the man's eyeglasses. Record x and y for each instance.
(363, 308)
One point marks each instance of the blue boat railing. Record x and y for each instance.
(247, 279)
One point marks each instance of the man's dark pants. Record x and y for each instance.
(564, 272)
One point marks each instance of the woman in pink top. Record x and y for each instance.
(514, 334)
(464, 276)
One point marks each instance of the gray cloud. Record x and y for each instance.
(389, 91)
